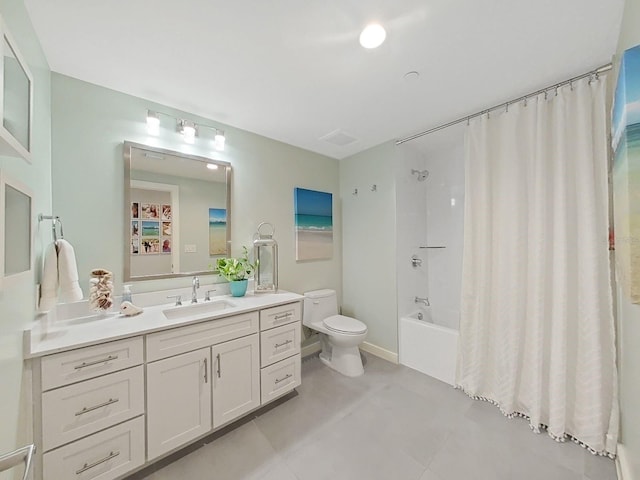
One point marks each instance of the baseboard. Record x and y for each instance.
(622, 464)
(379, 352)
(310, 349)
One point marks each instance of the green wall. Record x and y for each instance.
(17, 300)
(89, 124)
(629, 314)
(369, 242)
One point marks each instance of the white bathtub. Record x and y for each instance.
(428, 347)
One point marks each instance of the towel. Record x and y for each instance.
(70, 290)
(60, 271)
(49, 284)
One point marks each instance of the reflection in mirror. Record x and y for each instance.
(16, 216)
(16, 97)
(177, 213)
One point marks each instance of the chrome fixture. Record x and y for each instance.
(420, 316)
(195, 285)
(188, 128)
(207, 295)
(416, 261)
(178, 299)
(424, 300)
(15, 458)
(422, 174)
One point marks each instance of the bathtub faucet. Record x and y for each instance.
(422, 300)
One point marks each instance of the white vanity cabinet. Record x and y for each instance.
(111, 408)
(178, 401)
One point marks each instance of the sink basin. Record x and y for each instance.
(197, 309)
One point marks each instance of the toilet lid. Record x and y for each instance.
(342, 324)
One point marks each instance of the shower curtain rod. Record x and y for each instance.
(597, 71)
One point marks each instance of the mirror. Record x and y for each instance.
(15, 217)
(177, 213)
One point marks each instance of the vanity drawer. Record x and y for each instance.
(71, 412)
(192, 337)
(279, 343)
(106, 455)
(281, 315)
(280, 378)
(89, 362)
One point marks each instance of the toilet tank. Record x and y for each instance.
(318, 305)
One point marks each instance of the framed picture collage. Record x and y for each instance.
(151, 229)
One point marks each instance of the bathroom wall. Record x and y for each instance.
(17, 299)
(89, 124)
(369, 244)
(628, 316)
(431, 214)
(411, 233)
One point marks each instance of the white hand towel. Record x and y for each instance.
(70, 290)
(49, 284)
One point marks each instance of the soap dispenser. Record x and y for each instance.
(126, 293)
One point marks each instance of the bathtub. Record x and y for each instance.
(428, 347)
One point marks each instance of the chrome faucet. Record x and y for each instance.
(422, 300)
(195, 284)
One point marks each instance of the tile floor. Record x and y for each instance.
(392, 423)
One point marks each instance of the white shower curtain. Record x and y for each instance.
(536, 330)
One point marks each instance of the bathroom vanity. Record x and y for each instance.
(112, 395)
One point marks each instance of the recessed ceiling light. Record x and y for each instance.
(372, 36)
(212, 166)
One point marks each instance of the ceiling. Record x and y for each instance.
(293, 70)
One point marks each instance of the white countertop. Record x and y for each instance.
(47, 336)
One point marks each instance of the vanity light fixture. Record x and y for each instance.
(372, 36)
(218, 140)
(153, 123)
(188, 130)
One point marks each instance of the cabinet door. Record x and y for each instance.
(236, 378)
(178, 401)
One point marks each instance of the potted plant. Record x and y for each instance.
(236, 271)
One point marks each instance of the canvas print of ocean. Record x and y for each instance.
(313, 224)
(217, 231)
(626, 173)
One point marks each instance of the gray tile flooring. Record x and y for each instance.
(392, 423)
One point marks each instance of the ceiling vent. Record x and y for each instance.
(340, 138)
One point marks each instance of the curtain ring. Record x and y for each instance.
(571, 85)
(525, 101)
(506, 109)
(545, 95)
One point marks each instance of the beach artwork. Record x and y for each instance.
(150, 229)
(313, 224)
(626, 173)
(217, 231)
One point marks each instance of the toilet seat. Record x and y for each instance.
(344, 325)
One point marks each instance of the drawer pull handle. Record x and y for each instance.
(218, 357)
(96, 362)
(278, 380)
(206, 380)
(96, 407)
(284, 315)
(88, 466)
(278, 345)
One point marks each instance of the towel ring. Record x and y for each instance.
(55, 222)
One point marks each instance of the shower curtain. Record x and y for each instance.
(537, 331)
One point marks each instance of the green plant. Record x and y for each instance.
(234, 269)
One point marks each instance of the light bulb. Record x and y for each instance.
(153, 123)
(372, 36)
(212, 166)
(188, 132)
(218, 141)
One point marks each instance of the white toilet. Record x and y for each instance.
(339, 335)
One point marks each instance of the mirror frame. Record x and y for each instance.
(127, 155)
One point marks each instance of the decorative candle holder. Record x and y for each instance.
(265, 253)
(101, 291)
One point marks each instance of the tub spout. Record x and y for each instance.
(424, 300)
